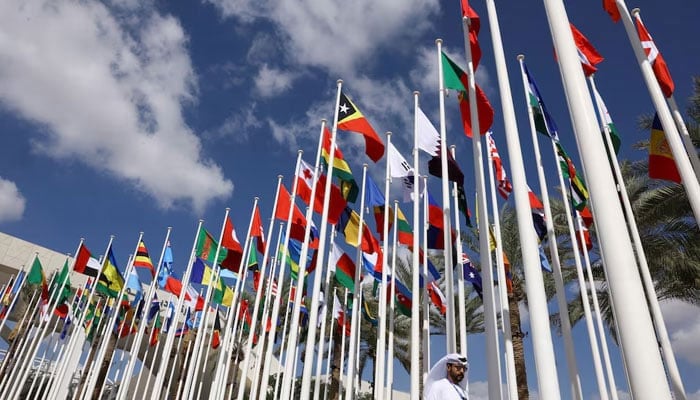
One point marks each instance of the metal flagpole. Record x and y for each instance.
(392, 308)
(511, 380)
(461, 296)
(548, 383)
(574, 377)
(415, 263)
(357, 302)
(451, 339)
(645, 368)
(425, 328)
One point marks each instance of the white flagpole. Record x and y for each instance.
(511, 379)
(392, 308)
(357, 296)
(342, 345)
(163, 365)
(574, 377)
(657, 315)
(289, 353)
(321, 343)
(313, 313)
(451, 338)
(380, 358)
(491, 329)
(266, 305)
(16, 296)
(685, 169)
(685, 136)
(258, 298)
(461, 297)
(596, 308)
(425, 328)
(643, 360)
(293, 338)
(415, 262)
(280, 280)
(548, 383)
(21, 341)
(136, 344)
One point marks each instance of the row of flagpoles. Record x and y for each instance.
(188, 353)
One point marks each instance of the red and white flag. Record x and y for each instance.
(437, 297)
(504, 185)
(663, 76)
(586, 52)
(305, 180)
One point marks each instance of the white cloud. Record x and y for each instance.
(332, 35)
(683, 324)
(12, 202)
(109, 88)
(271, 81)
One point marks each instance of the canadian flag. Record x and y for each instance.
(663, 76)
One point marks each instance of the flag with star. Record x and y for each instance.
(351, 119)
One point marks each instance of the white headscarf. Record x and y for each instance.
(439, 371)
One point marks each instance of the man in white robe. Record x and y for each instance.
(447, 380)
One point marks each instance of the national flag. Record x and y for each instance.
(607, 120)
(284, 203)
(472, 276)
(193, 300)
(36, 277)
(305, 181)
(367, 313)
(583, 230)
(405, 232)
(509, 275)
(437, 297)
(166, 268)
(155, 331)
(586, 217)
(543, 260)
(538, 220)
(463, 205)
(344, 267)
(230, 242)
(142, 259)
(662, 164)
(63, 276)
(504, 185)
(577, 188)
(351, 119)
(223, 294)
(206, 248)
(339, 315)
(663, 76)
(454, 172)
(403, 297)
(400, 168)
(467, 11)
(373, 196)
(294, 257)
(133, 285)
(349, 225)
(200, 273)
(257, 231)
(610, 7)
(215, 335)
(123, 326)
(436, 224)
(85, 263)
(68, 321)
(372, 263)
(110, 282)
(588, 55)
(484, 108)
(341, 169)
(427, 137)
(544, 123)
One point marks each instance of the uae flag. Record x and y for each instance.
(86, 264)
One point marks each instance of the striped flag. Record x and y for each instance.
(504, 185)
(663, 76)
(577, 189)
(142, 259)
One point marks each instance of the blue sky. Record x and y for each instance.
(125, 116)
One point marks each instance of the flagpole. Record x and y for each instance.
(342, 344)
(574, 377)
(657, 316)
(548, 382)
(18, 345)
(425, 329)
(511, 379)
(280, 279)
(11, 306)
(357, 292)
(451, 342)
(313, 313)
(685, 169)
(462, 312)
(392, 308)
(330, 351)
(379, 376)
(685, 135)
(415, 262)
(491, 330)
(294, 334)
(319, 357)
(136, 344)
(266, 306)
(163, 365)
(643, 361)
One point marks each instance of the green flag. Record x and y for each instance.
(206, 248)
(453, 76)
(36, 273)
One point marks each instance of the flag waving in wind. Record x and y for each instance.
(586, 52)
(504, 185)
(544, 123)
(663, 76)
(351, 119)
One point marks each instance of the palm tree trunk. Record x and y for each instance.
(111, 345)
(518, 349)
(335, 365)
